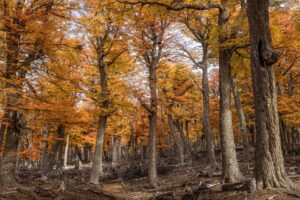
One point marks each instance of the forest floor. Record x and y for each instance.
(190, 181)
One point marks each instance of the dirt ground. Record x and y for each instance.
(129, 182)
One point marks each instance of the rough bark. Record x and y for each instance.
(269, 162)
(242, 119)
(230, 168)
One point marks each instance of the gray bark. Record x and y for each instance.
(241, 115)
(66, 152)
(269, 162)
(97, 168)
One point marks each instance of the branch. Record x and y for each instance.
(114, 59)
(175, 7)
(290, 67)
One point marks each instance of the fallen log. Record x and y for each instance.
(45, 192)
(248, 185)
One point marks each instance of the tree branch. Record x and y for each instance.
(175, 7)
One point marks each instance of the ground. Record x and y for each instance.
(129, 182)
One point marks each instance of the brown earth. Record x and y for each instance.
(129, 182)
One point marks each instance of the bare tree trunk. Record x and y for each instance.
(230, 167)
(115, 145)
(55, 157)
(206, 126)
(242, 119)
(269, 165)
(66, 152)
(97, 169)
(119, 148)
(187, 133)
(183, 139)
(178, 145)
(282, 137)
(152, 170)
(45, 155)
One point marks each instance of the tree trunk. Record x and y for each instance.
(57, 151)
(152, 170)
(282, 137)
(178, 145)
(115, 151)
(269, 165)
(242, 119)
(183, 139)
(97, 169)
(11, 116)
(206, 126)
(45, 155)
(119, 148)
(66, 152)
(187, 133)
(230, 168)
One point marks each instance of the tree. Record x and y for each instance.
(269, 165)
(200, 28)
(148, 43)
(102, 25)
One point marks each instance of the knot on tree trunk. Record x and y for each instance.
(267, 55)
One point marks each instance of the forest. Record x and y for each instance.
(149, 99)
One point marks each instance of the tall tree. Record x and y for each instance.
(103, 27)
(148, 44)
(269, 165)
(200, 28)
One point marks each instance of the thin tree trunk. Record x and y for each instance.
(283, 138)
(206, 126)
(187, 133)
(178, 145)
(269, 162)
(66, 152)
(183, 139)
(45, 155)
(19, 149)
(55, 157)
(242, 119)
(115, 151)
(152, 170)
